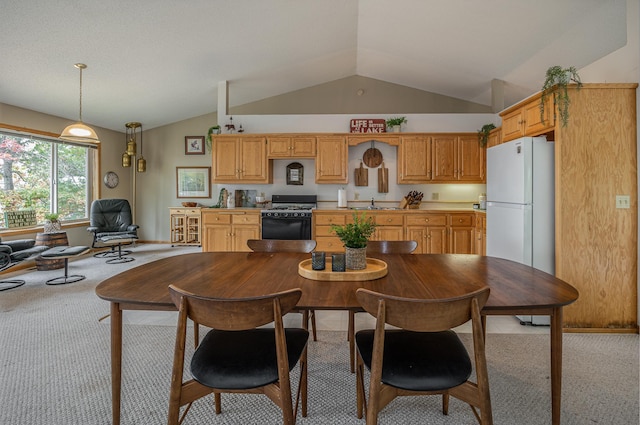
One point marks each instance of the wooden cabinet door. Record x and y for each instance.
(445, 164)
(436, 240)
(495, 137)
(388, 233)
(226, 159)
(461, 241)
(279, 147)
(471, 159)
(303, 147)
(414, 160)
(216, 238)
(533, 122)
(241, 234)
(418, 234)
(331, 160)
(512, 125)
(253, 160)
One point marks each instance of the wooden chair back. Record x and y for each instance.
(234, 314)
(391, 247)
(281, 245)
(422, 315)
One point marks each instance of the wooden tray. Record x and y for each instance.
(375, 270)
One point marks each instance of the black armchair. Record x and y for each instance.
(14, 252)
(112, 226)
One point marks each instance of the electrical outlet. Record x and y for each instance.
(356, 196)
(623, 201)
(435, 196)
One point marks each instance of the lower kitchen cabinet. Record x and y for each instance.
(461, 233)
(229, 230)
(325, 238)
(481, 234)
(389, 227)
(430, 231)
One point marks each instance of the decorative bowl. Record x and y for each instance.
(189, 204)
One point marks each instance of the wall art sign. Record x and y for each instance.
(20, 218)
(368, 125)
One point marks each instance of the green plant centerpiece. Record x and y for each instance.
(355, 237)
(395, 123)
(557, 80)
(212, 130)
(483, 134)
(51, 223)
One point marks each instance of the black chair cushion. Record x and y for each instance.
(28, 252)
(111, 215)
(419, 361)
(231, 360)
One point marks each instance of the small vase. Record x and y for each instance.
(356, 258)
(51, 226)
(397, 128)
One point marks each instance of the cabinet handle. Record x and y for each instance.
(460, 220)
(389, 220)
(426, 220)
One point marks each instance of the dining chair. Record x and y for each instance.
(424, 355)
(283, 245)
(236, 356)
(373, 248)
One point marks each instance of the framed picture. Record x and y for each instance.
(193, 182)
(194, 145)
(295, 173)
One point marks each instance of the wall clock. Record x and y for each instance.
(111, 179)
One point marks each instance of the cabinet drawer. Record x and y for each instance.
(330, 219)
(329, 244)
(389, 219)
(324, 231)
(245, 219)
(427, 220)
(462, 220)
(216, 218)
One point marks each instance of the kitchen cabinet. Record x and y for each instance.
(240, 159)
(389, 227)
(327, 240)
(481, 234)
(525, 120)
(414, 160)
(185, 226)
(332, 160)
(461, 233)
(430, 231)
(441, 158)
(229, 229)
(291, 147)
(495, 137)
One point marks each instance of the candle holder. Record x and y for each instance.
(337, 262)
(318, 260)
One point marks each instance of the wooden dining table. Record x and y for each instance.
(515, 289)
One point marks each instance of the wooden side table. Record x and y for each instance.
(50, 240)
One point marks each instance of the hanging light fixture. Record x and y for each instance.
(130, 140)
(79, 131)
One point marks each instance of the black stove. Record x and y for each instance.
(289, 217)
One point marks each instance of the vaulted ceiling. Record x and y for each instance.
(160, 61)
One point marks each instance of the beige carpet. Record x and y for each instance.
(55, 368)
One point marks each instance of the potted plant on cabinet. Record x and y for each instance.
(396, 123)
(51, 223)
(355, 237)
(483, 134)
(557, 80)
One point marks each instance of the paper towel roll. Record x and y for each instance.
(342, 198)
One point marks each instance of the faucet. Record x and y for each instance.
(373, 204)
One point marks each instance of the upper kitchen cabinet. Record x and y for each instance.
(241, 159)
(291, 147)
(524, 118)
(471, 160)
(444, 151)
(414, 159)
(495, 137)
(331, 160)
(388, 138)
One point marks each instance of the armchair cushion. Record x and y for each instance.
(111, 220)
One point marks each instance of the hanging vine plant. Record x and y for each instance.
(556, 82)
(483, 134)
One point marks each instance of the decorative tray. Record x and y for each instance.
(375, 270)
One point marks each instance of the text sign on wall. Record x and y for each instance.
(377, 125)
(22, 218)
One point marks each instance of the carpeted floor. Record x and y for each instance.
(55, 368)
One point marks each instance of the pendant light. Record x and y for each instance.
(130, 140)
(79, 131)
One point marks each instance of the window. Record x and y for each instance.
(45, 175)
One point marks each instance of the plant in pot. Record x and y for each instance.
(212, 130)
(51, 223)
(396, 123)
(355, 237)
(483, 134)
(557, 81)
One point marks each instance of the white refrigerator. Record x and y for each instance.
(520, 206)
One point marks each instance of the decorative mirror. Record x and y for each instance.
(295, 173)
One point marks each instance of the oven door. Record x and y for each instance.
(292, 228)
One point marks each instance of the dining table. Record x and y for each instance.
(515, 289)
